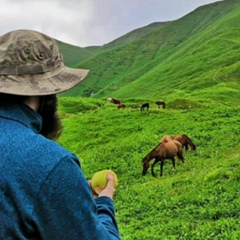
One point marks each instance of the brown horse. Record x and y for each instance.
(113, 100)
(166, 138)
(163, 151)
(121, 105)
(185, 141)
(159, 103)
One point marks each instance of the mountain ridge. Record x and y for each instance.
(171, 60)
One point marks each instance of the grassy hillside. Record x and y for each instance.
(73, 54)
(193, 58)
(134, 35)
(200, 200)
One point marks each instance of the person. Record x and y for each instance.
(44, 194)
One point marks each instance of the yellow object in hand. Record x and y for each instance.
(99, 180)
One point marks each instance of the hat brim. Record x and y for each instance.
(57, 81)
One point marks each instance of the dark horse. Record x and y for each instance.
(183, 139)
(144, 105)
(159, 103)
(163, 151)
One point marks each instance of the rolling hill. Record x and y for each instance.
(194, 58)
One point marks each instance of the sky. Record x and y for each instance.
(90, 22)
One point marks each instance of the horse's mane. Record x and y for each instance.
(188, 138)
(152, 151)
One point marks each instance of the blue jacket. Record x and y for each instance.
(43, 192)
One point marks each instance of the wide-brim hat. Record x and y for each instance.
(31, 65)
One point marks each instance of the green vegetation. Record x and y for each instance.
(200, 200)
(193, 64)
(73, 54)
(133, 35)
(195, 57)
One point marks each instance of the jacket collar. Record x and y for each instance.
(22, 113)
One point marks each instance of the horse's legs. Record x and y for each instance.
(186, 147)
(161, 167)
(173, 164)
(152, 166)
(155, 161)
(180, 156)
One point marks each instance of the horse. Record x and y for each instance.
(162, 152)
(121, 105)
(166, 138)
(113, 100)
(159, 103)
(144, 105)
(185, 141)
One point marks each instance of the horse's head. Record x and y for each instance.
(145, 166)
(189, 141)
(193, 147)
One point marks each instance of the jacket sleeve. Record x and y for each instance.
(65, 207)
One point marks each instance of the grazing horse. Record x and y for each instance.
(163, 151)
(166, 138)
(121, 105)
(159, 103)
(144, 105)
(185, 141)
(113, 100)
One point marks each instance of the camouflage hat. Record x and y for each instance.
(31, 65)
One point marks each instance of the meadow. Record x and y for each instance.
(198, 201)
(191, 63)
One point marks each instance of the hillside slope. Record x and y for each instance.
(134, 35)
(73, 54)
(194, 57)
(198, 201)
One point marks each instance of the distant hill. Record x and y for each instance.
(74, 54)
(195, 57)
(134, 35)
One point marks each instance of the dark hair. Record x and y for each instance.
(11, 98)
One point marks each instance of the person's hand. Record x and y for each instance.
(109, 190)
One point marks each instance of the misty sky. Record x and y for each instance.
(90, 22)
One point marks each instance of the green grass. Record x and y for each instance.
(193, 64)
(200, 200)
